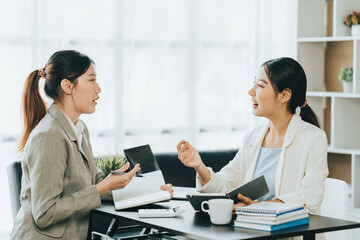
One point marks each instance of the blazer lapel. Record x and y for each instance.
(88, 153)
(82, 147)
(57, 113)
(254, 150)
(85, 147)
(289, 138)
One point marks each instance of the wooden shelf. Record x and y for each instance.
(344, 151)
(327, 39)
(324, 45)
(332, 94)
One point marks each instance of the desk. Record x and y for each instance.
(197, 225)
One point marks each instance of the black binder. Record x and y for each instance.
(144, 156)
(253, 189)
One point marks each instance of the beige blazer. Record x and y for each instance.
(58, 183)
(301, 171)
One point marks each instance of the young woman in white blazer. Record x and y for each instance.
(291, 151)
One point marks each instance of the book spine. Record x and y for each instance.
(290, 224)
(266, 227)
(242, 210)
(254, 214)
(262, 211)
(274, 221)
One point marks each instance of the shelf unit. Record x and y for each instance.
(324, 44)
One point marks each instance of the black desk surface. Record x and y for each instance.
(197, 225)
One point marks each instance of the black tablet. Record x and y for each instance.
(144, 156)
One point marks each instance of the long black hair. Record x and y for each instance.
(287, 73)
(66, 64)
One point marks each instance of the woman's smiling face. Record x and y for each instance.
(263, 96)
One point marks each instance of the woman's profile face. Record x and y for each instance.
(86, 92)
(263, 96)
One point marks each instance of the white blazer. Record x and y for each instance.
(301, 171)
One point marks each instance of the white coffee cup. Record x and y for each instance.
(220, 210)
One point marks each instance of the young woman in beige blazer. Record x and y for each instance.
(299, 168)
(60, 182)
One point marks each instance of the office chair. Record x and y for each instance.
(14, 172)
(336, 205)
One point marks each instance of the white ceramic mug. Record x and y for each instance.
(220, 210)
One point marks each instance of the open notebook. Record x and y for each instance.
(140, 191)
(181, 192)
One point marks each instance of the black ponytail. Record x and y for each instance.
(287, 73)
(308, 115)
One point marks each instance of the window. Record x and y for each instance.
(168, 69)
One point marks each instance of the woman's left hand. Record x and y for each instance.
(167, 187)
(243, 201)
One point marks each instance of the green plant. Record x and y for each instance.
(352, 19)
(346, 74)
(109, 162)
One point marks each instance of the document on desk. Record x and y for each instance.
(141, 191)
(181, 192)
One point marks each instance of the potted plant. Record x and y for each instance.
(346, 77)
(109, 162)
(353, 21)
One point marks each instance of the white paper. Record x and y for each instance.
(141, 191)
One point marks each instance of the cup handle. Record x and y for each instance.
(202, 206)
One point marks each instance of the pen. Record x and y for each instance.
(117, 173)
(122, 173)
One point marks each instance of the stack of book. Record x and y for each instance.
(271, 216)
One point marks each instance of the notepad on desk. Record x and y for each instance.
(273, 220)
(268, 209)
(141, 191)
(271, 216)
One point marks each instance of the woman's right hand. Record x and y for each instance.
(113, 181)
(188, 155)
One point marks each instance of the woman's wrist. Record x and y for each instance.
(197, 168)
(203, 172)
(101, 188)
(201, 169)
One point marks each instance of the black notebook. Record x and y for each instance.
(254, 189)
(144, 156)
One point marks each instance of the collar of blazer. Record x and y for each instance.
(291, 131)
(256, 143)
(57, 113)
